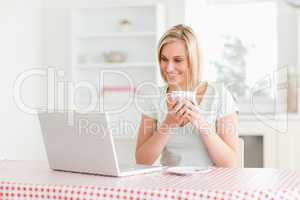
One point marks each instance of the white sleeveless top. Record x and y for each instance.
(185, 147)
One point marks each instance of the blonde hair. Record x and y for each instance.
(186, 34)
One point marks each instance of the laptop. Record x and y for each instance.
(83, 143)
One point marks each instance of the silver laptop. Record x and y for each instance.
(83, 143)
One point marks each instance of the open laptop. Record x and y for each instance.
(83, 143)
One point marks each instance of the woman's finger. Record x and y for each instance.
(193, 114)
(181, 111)
(190, 99)
(179, 104)
(183, 121)
(171, 103)
(187, 116)
(189, 105)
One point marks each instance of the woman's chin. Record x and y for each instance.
(172, 82)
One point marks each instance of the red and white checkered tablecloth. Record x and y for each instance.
(34, 180)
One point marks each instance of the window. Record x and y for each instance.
(240, 46)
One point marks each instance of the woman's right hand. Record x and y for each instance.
(175, 113)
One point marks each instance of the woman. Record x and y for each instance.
(194, 133)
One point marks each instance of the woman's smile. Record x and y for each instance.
(172, 76)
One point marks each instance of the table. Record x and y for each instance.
(34, 180)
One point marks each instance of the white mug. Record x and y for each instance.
(183, 94)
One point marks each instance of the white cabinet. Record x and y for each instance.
(113, 50)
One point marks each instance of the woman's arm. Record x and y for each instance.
(222, 145)
(151, 141)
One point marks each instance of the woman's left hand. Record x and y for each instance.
(192, 113)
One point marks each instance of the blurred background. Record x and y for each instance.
(95, 55)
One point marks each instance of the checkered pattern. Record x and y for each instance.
(13, 190)
(39, 182)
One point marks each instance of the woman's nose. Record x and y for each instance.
(170, 67)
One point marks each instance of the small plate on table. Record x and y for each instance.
(186, 171)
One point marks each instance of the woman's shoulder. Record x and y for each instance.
(226, 102)
(162, 89)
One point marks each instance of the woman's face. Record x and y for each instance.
(174, 63)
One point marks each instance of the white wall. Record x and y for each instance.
(21, 49)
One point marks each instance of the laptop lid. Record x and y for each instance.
(79, 142)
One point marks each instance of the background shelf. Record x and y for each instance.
(116, 34)
(115, 65)
(96, 33)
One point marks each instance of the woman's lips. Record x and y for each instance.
(172, 76)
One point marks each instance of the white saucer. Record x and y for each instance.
(188, 170)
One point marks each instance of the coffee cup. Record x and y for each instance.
(183, 94)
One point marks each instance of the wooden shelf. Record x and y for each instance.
(116, 65)
(117, 34)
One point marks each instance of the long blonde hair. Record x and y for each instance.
(186, 34)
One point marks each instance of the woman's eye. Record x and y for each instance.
(178, 61)
(163, 59)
